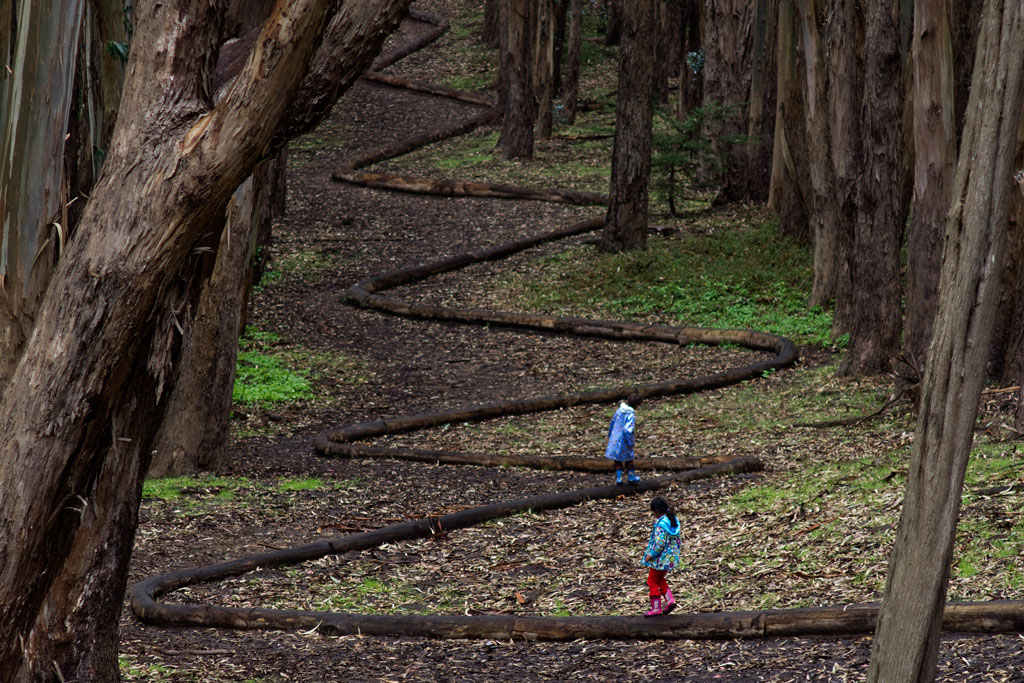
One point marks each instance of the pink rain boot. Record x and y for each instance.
(669, 603)
(655, 606)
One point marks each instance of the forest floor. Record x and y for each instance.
(274, 492)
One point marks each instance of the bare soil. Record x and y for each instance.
(410, 366)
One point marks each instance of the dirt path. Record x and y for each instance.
(413, 366)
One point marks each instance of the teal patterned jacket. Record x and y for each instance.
(663, 546)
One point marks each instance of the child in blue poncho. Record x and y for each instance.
(620, 438)
(661, 556)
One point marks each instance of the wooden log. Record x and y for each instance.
(441, 26)
(430, 89)
(447, 187)
(410, 144)
(597, 465)
(144, 595)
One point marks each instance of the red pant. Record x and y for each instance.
(656, 582)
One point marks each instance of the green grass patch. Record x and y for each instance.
(308, 484)
(733, 276)
(265, 379)
(208, 489)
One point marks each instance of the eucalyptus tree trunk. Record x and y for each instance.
(614, 10)
(875, 292)
(935, 160)
(571, 82)
(846, 156)
(195, 429)
(823, 211)
(83, 405)
(761, 107)
(691, 88)
(102, 55)
(519, 108)
(907, 637)
(625, 225)
(35, 95)
(790, 183)
(544, 66)
(493, 21)
(728, 66)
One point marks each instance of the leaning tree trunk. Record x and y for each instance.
(196, 422)
(196, 427)
(519, 109)
(625, 225)
(875, 291)
(84, 402)
(935, 159)
(34, 99)
(907, 638)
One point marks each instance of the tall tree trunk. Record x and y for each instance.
(561, 25)
(761, 109)
(935, 158)
(845, 95)
(614, 10)
(907, 637)
(196, 423)
(625, 225)
(789, 182)
(84, 402)
(493, 21)
(35, 99)
(823, 213)
(691, 89)
(102, 54)
(196, 427)
(728, 62)
(517, 97)
(571, 86)
(544, 66)
(875, 261)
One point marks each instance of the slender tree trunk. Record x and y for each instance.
(196, 423)
(823, 215)
(36, 96)
(493, 18)
(571, 86)
(691, 89)
(790, 183)
(613, 28)
(935, 159)
(761, 109)
(728, 63)
(907, 638)
(845, 95)
(875, 263)
(544, 67)
(84, 403)
(625, 225)
(519, 108)
(561, 25)
(196, 427)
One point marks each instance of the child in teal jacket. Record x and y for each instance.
(662, 556)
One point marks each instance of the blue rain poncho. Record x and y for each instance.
(620, 433)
